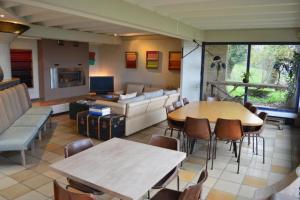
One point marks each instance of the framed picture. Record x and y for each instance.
(92, 59)
(174, 60)
(131, 60)
(152, 59)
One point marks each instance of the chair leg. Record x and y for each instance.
(263, 148)
(208, 154)
(166, 131)
(253, 143)
(23, 158)
(171, 132)
(193, 141)
(178, 182)
(256, 144)
(249, 139)
(148, 194)
(239, 156)
(213, 153)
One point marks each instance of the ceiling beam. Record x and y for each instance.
(23, 11)
(121, 13)
(50, 15)
(64, 20)
(37, 31)
(8, 4)
(83, 24)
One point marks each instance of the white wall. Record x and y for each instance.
(30, 44)
(191, 69)
(110, 60)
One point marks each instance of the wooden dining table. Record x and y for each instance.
(214, 110)
(121, 168)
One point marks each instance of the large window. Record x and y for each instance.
(270, 73)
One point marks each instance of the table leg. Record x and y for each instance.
(234, 148)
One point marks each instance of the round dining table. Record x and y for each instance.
(216, 109)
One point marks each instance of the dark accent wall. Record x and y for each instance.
(66, 54)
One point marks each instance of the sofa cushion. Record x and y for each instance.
(40, 110)
(169, 92)
(31, 120)
(135, 99)
(157, 103)
(134, 87)
(172, 98)
(157, 93)
(17, 138)
(3, 117)
(23, 98)
(136, 108)
(11, 110)
(128, 96)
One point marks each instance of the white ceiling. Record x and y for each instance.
(228, 14)
(50, 18)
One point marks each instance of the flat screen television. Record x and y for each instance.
(102, 84)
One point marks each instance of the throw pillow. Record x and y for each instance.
(128, 96)
(150, 95)
(169, 92)
(135, 99)
(131, 87)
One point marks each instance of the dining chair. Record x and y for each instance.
(256, 131)
(212, 98)
(185, 101)
(253, 109)
(177, 104)
(228, 130)
(193, 192)
(72, 149)
(168, 143)
(247, 105)
(61, 193)
(172, 124)
(197, 129)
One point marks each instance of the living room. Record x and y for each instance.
(160, 100)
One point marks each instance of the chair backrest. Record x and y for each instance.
(194, 192)
(185, 101)
(77, 146)
(164, 142)
(228, 129)
(197, 128)
(211, 98)
(253, 109)
(169, 109)
(177, 104)
(263, 116)
(62, 194)
(247, 105)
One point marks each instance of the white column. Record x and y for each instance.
(5, 40)
(190, 72)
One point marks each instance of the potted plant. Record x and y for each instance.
(246, 76)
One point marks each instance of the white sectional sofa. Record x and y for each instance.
(142, 112)
(20, 122)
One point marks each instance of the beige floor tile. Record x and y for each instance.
(14, 191)
(23, 175)
(186, 175)
(219, 195)
(255, 182)
(233, 177)
(33, 195)
(258, 173)
(37, 181)
(6, 182)
(227, 186)
(210, 182)
(247, 191)
(52, 174)
(41, 167)
(280, 169)
(46, 189)
(10, 168)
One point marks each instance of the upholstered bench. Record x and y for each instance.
(20, 122)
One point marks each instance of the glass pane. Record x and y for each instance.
(223, 66)
(274, 68)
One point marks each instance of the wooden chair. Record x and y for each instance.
(197, 129)
(191, 193)
(228, 130)
(168, 143)
(185, 101)
(62, 194)
(256, 131)
(172, 124)
(253, 109)
(247, 105)
(72, 149)
(177, 104)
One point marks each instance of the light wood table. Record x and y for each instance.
(121, 168)
(214, 110)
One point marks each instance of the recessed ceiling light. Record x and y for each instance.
(115, 34)
(2, 16)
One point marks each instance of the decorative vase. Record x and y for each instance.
(1, 74)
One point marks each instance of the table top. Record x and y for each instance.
(214, 110)
(121, 168)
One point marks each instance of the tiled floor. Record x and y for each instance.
(35, 181)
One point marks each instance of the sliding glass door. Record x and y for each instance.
(264, 74)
